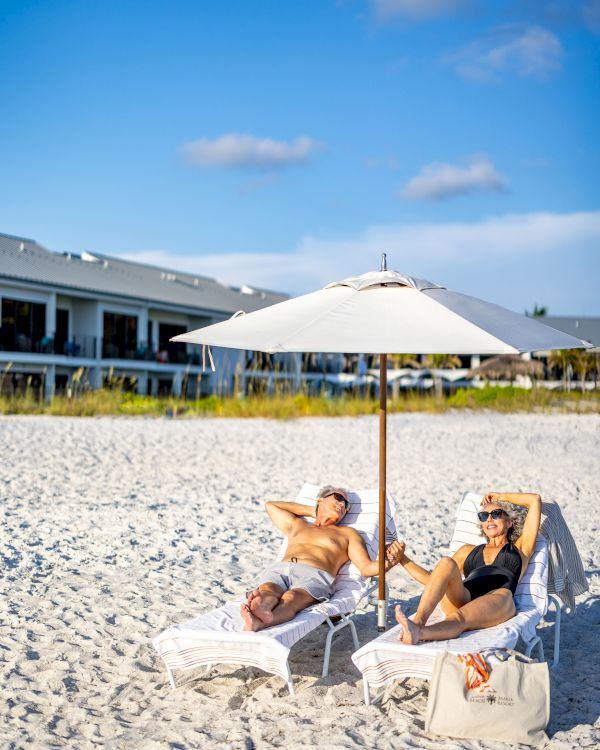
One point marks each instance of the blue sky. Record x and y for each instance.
(287, 144)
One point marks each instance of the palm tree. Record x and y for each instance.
(565, 360)
(405, 360)
(584, 364)
(538, 311)
(441, 362)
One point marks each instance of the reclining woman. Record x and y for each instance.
(484, 597)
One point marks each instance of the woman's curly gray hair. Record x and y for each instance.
(516, 513)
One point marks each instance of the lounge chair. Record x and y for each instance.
(385, 659)
(217, 637)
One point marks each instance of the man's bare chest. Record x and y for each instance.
(331, 538)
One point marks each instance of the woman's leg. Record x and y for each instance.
(485, 612)
(445, 583)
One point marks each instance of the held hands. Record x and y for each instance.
(394, 553)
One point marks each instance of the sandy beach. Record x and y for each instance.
(113, 529)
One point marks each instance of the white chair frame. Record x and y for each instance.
(345, 621)
(535, 644)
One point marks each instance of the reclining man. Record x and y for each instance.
(315, 553)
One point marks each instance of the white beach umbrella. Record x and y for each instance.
(384, 312)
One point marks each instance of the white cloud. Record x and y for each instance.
(533, 52)
(591, 15)
(513, 260)
(438, 180)
(237, 150)
(414, 10)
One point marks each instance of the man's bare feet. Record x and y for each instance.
(250, 621)
(260, 608)
(251, 596)
(411, 632)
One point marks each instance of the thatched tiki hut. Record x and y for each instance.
(507, 367)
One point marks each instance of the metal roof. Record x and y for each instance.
(587, 329)
(22, 259)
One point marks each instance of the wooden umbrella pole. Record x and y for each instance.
(382, 601)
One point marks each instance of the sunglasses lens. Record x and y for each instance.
(341, 499)
(495, 514)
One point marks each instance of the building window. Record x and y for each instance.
(119, 339)
(171, 351)
(23, 326)
(61, 333)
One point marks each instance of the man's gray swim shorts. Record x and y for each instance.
(290, 575)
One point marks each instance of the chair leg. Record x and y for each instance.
(333, 629)
(557, 618)
(366, 692)
(171, 678)
(327, 654)
(354, 635)
(535, 643)
(290, 682)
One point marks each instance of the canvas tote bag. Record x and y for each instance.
(512, 705)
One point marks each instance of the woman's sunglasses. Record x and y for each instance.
(497, 513)
(341, 499)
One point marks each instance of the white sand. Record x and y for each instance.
(114, 528)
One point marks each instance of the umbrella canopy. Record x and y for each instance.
(380, 312)
(507, 367)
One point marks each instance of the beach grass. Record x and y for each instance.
(107, 402)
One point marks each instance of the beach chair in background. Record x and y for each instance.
(385, 659)
(217, 637)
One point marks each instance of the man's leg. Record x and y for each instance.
(263, 600)
(445, 583)
(485, 612)
(290, 603)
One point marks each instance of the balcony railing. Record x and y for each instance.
(119, 350)
(85, 347)
(76, 346)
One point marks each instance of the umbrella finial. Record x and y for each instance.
(383, 261)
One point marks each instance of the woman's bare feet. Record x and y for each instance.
(411, 632)
(260, 606)
(250, 621)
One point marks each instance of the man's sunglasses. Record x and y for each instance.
(497, 513)
(341, 499)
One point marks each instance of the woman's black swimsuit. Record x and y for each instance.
(504, 573)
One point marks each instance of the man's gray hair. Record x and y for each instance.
(329, 489)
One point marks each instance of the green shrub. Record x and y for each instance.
(116, 402)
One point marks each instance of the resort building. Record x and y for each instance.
(82, 321)
(68, 317)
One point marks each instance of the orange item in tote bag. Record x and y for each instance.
(507, 702)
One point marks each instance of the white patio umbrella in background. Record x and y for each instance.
(384, 312)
